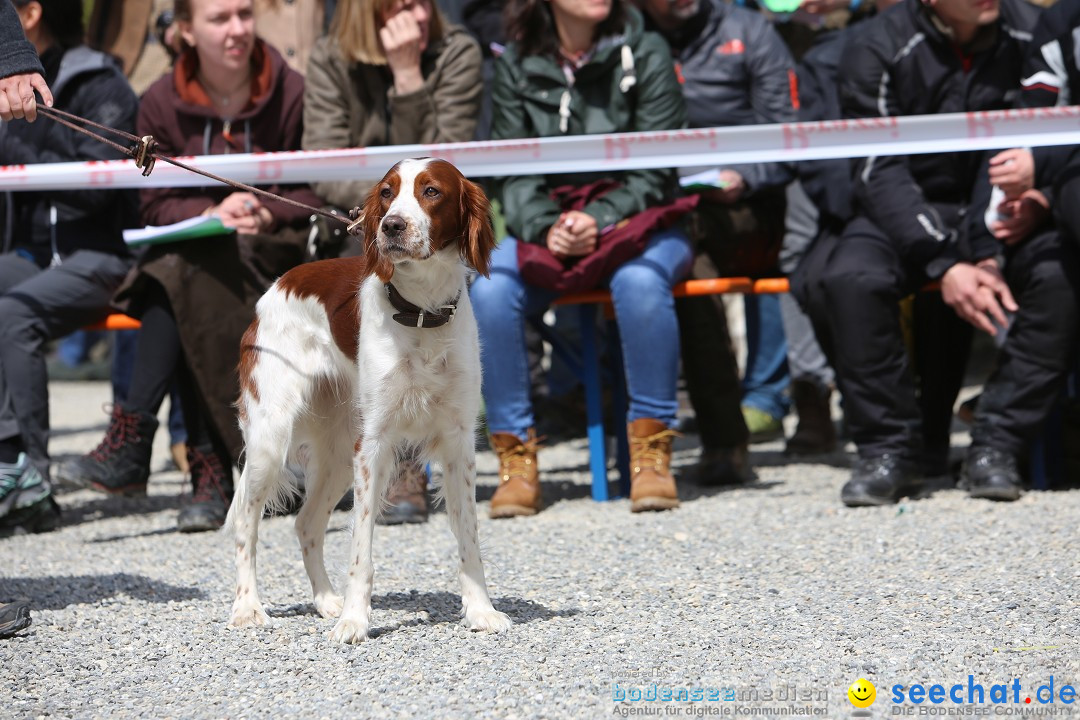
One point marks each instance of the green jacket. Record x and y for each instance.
(527, 95)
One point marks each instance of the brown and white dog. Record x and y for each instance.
(382, 348)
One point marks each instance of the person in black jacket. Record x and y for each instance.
(63, 251)
(734, 69)
(20, 70)
(910, 226)
(1051, 79)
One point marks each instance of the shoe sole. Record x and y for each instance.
(402, 520)
(126, 491)
(509, 511)
(867, 500)
(197, 527)
(1002, 494)
(652, 504)
(19, 623)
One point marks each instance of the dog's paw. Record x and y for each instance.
(329, 605)
(487, 621)
(248, 616)
(349, 631)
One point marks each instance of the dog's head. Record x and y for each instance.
(420, 207)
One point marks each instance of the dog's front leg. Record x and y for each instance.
(373, 468)
(459, 473)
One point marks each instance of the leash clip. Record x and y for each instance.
(143, 154)
(357, 217)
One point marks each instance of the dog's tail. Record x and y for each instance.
(275, 489)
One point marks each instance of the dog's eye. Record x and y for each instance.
(431, 192)
(386, 193)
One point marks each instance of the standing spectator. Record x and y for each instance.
(228, 92)
(910, 227)
(574, 69)
(734, 70)
(390, 72)
(64, 253)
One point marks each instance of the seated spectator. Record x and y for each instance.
(573, 70)
(228, 92)
(293, 27)
(911, 225)
(64, 253)
(134, 31)
(819, 201)
(735, 70)
(390, 72)
(1040, 346)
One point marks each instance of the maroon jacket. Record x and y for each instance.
(183, 121)
(214, 283)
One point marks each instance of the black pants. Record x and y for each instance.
(729, 240)
(853, 289)
(37, 305)
(159, 357)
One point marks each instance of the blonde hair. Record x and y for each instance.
(356, 25)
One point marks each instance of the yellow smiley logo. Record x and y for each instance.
(862, 693)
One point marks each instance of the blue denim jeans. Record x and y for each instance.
(766, 380)
(644, 311)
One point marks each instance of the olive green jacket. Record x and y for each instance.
(615, 91)
(351, 104)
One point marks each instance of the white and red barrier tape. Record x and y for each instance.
(624, 151)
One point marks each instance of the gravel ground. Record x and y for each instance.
(773, 587)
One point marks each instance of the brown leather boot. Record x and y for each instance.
(406, 501)
(652, 486)
(519, 485)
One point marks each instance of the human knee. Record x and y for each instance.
(21, 323)
(498, 292)
(643, 284)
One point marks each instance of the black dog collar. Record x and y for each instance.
(410, 315)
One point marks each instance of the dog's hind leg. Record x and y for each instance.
(374, 464)
(244, 515)
(459, 489)
(330, 473)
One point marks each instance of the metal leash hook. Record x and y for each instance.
(357, 218)
(143, 154)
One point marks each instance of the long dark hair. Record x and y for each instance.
(531, 25)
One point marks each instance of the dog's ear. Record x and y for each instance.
(377, 264)
(478, 238)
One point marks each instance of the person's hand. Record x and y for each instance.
(574, 234)
(1020, 217)
(1013, 171)
(977, 293)
(401, 37)
(243, 212)
(732, 192)
(17, 96)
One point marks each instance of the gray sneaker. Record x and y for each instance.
(26, 502)
(13, 618)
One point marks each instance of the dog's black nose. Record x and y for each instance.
(393, 225)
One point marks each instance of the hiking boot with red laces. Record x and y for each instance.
(120, 464)
(213, 484)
